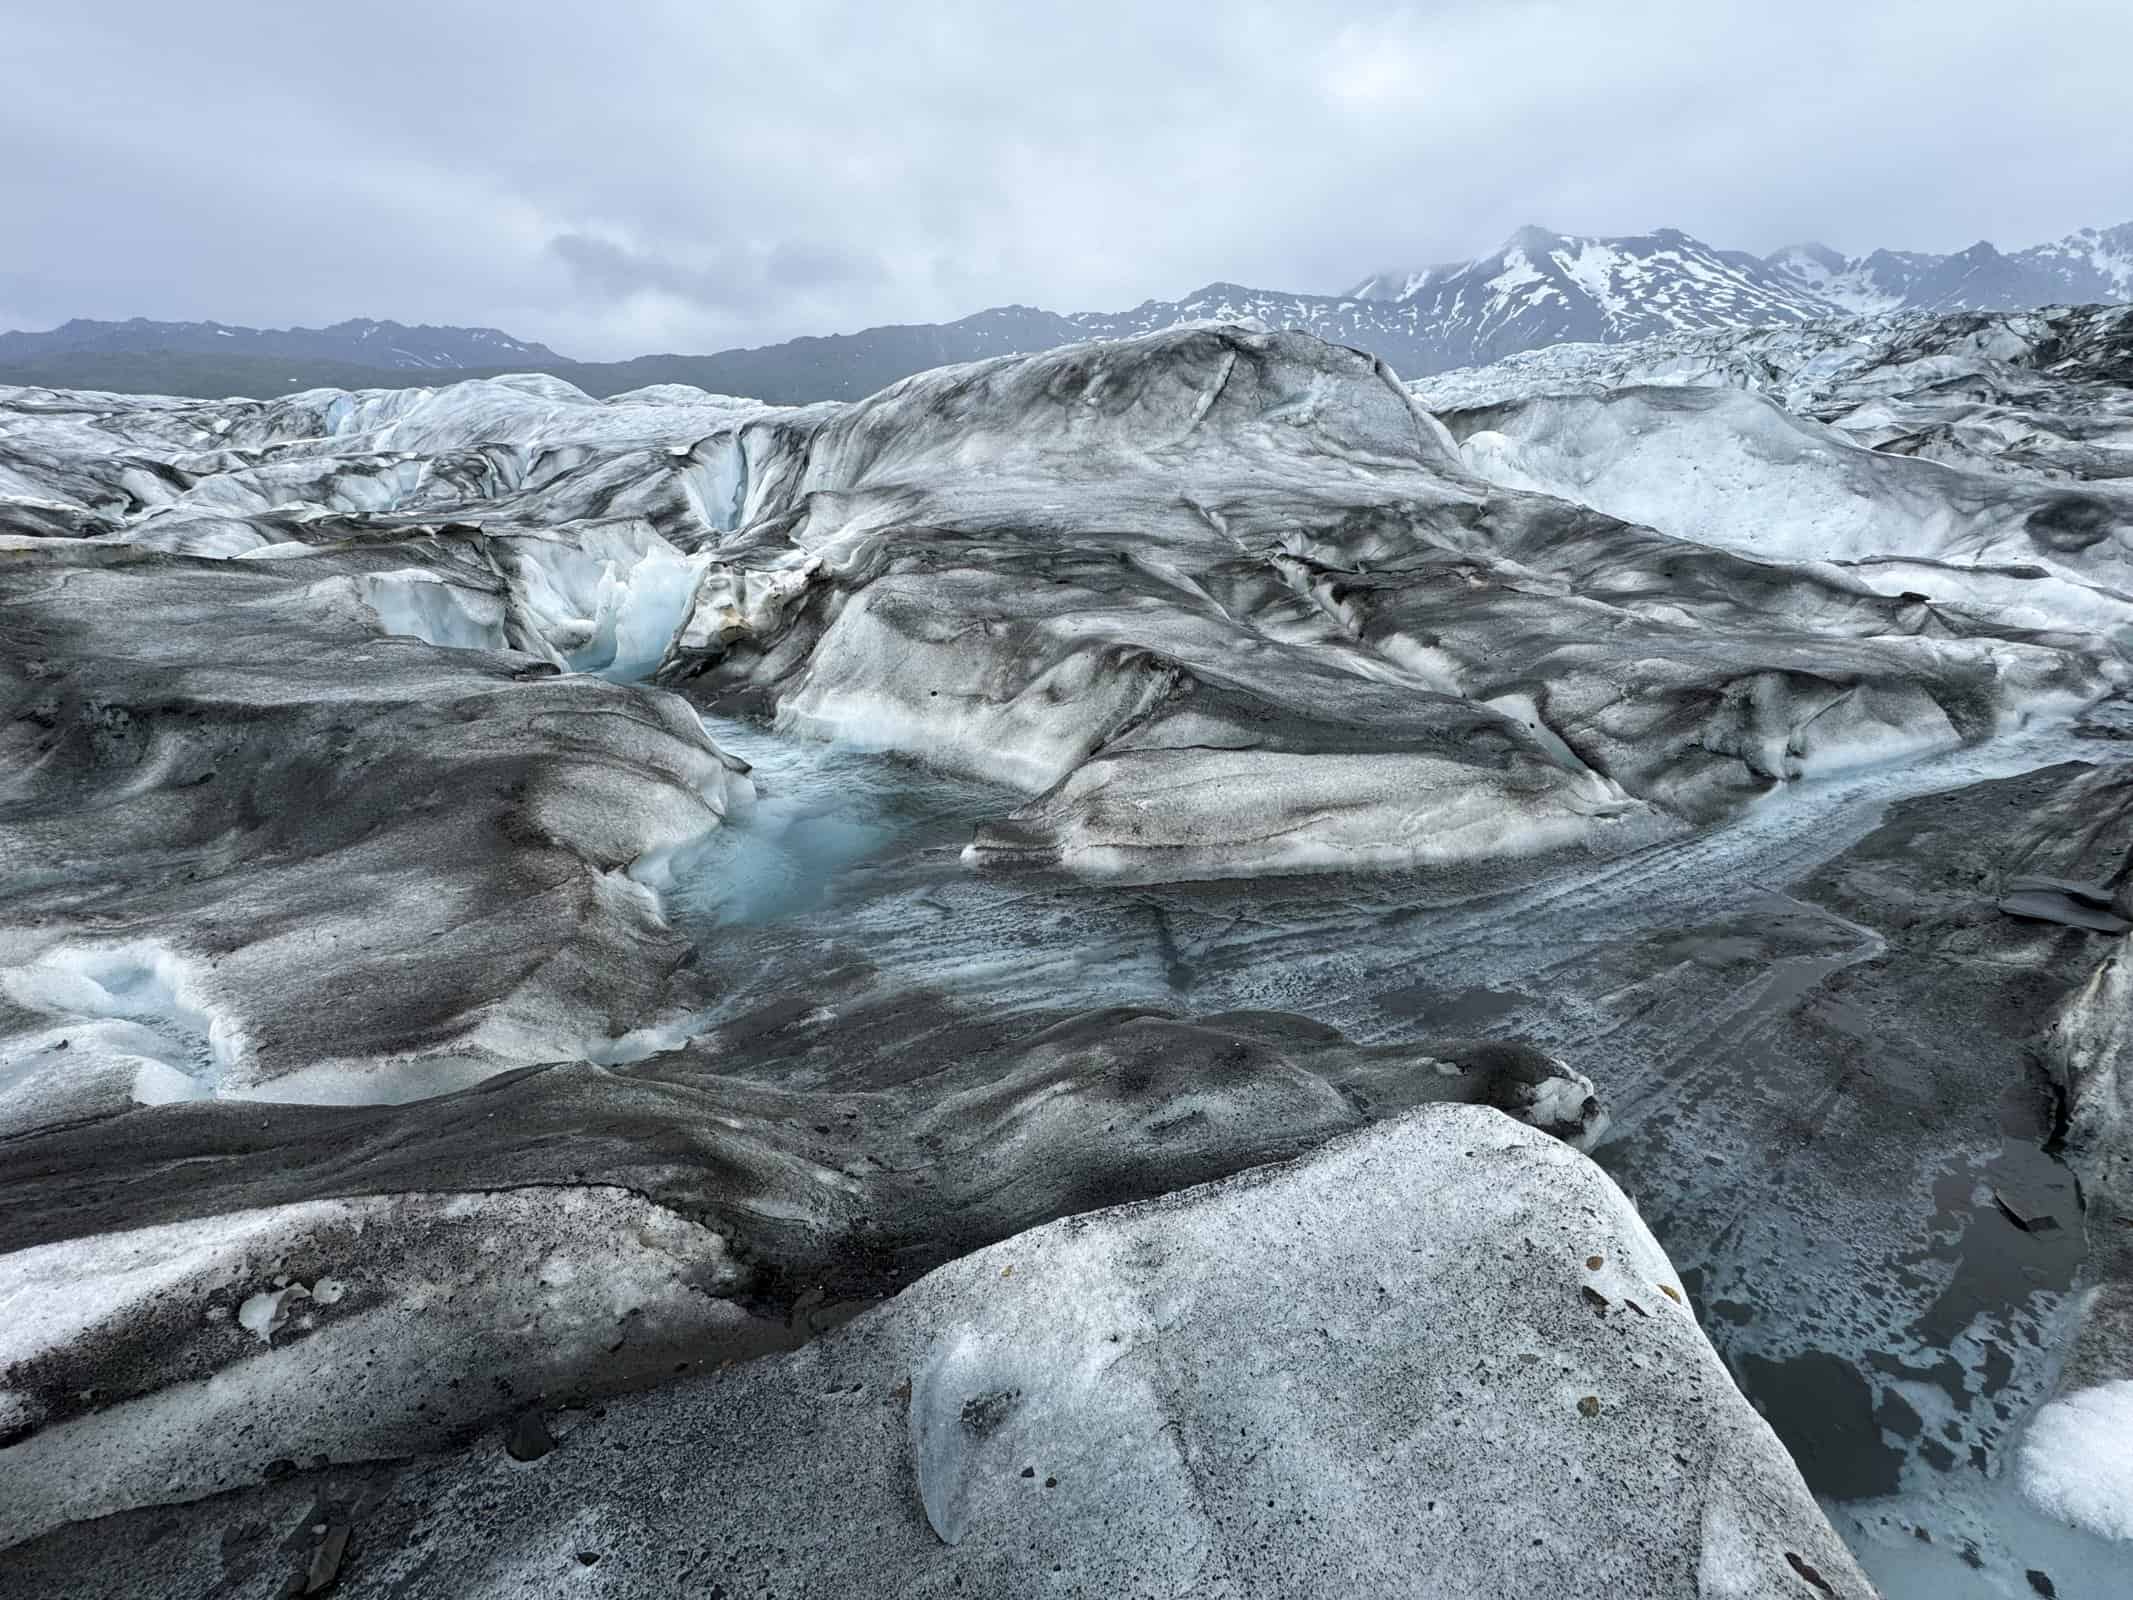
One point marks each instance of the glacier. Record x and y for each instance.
(850, 951)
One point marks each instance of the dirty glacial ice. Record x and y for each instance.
(622, 928)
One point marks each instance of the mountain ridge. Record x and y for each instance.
(361, 341)
(1540, 288)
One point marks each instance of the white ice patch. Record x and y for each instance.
(716, 476)
(136, 1007)
(263, 1314)
(1560, 1103)
(2077, 1461)
(218, 538)
(612, 604)
(1220, 813)
(1728, 1567)
(417, 604)
(1520, 708)
(52, 1295)
(1733, 470)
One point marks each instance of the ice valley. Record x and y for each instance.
(1164, 967)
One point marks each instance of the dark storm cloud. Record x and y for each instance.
(678, 174)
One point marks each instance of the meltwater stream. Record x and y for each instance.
(1826, 1193)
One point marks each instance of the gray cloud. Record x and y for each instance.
(684, 176)
(732, 278)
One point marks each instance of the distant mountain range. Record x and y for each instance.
(1541, 288)
(392, 346)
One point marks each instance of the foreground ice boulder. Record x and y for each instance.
(1441, 1356)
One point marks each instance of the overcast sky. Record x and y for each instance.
(622, 176)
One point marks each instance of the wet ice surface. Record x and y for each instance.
(821, 815)
(1894, 1324)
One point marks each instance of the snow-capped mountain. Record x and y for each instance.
(1546, 288)
(1540, 289)
(361, 341)
(2089, 266)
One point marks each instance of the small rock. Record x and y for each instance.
(1589, 1406)
(326, 1559)
(529, 1438)
(1809, 1573)
(2071, 905)
(2021, 1216)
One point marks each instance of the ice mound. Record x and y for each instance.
(327, 865)
(1445, 1344)
(1127, 578)
(1137, 580)
(1730, 468)
(2038, 391)
(171, 1362)
(1181, 398)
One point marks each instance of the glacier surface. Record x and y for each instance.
(509, 900)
